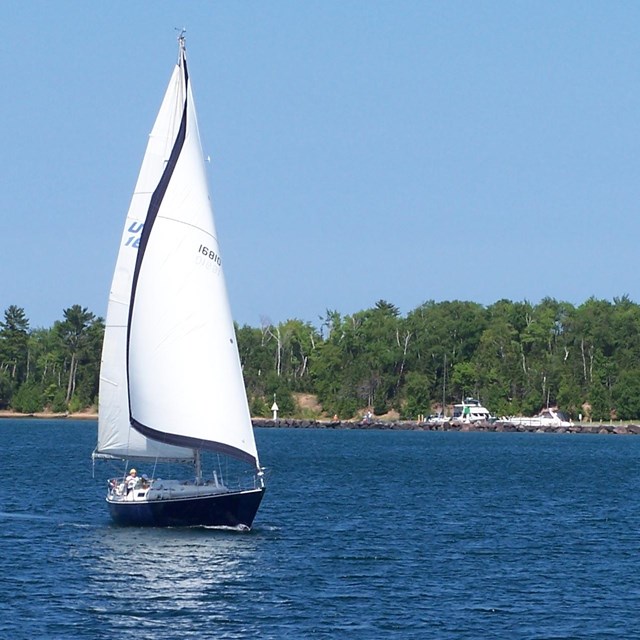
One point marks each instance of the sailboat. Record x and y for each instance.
(171, 386)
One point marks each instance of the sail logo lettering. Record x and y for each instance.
(134, 231)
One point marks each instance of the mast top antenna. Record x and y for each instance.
(181, 36)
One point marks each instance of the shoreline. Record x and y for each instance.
(596, 428)
(412, 425)
(45, 415)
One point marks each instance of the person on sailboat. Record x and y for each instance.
(131, 480)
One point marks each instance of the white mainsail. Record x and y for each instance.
(168, 318)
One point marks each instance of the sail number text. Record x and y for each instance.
(210, 253)
(132, 235)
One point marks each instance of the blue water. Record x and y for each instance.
(362, 534)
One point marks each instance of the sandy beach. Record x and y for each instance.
(48, 415)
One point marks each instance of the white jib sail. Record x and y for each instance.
(115, 436)
(185, 379)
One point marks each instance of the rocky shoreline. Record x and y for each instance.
(409, 425)
(388, 425)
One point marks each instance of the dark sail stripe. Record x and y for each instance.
(194, 443)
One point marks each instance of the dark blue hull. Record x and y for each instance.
(219, 510)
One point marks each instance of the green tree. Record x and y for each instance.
(498, 360)
(75, 335)
(6, 389)
(626, 395)
(88, 369)
(28, 398)
(445, 331)
(600, 403)
(255, 357)
(14, 334)
(570, 397)
(299, 340)
(417, 395)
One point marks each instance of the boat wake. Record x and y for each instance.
(241, 527)
(37, 517)
(24, 516)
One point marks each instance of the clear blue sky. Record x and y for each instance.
(359, 149)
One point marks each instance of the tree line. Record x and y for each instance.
(516, 357)
(56, 368)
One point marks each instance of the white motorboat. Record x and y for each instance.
(546, 418)
(470, 410)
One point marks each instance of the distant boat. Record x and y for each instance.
(171, 386)
(546, 418)
(470, 410)
(436, 418)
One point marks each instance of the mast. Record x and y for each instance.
(444, 386)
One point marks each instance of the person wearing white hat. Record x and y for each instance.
(131, 480)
